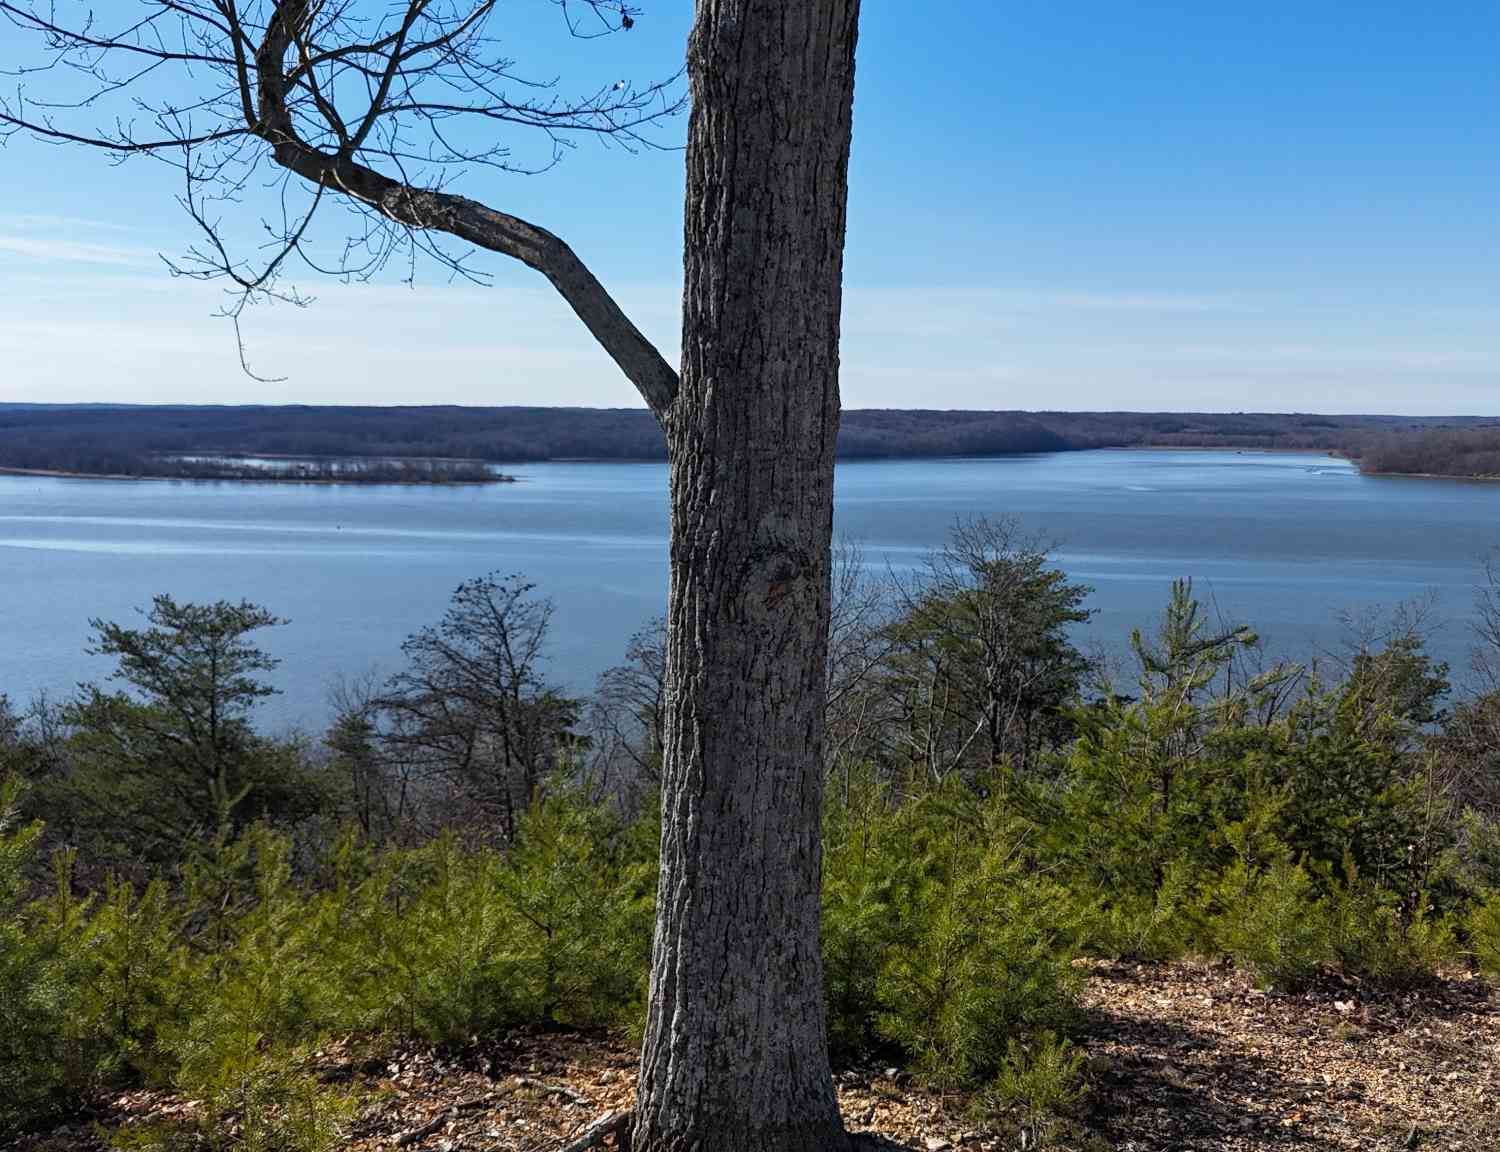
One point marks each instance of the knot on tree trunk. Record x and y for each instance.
(776, 579)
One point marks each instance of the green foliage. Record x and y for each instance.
(980, 661)
(161, 769)
(1484, 934)
(222, 988)
(1138, 825)
(583, 889)
(556, 930)
(939, 938)
(250, 1096)
(1397, 686)
(1272, 922)
(869, 873)
(1042, 1080)
(30, 986)
(264, 1094)
(85, 984)
(1375, 938)
(1146, 926)
(1185, 656)
(120, 956)
(1288, 824)
(1350, 794)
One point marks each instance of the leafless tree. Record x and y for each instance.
(628, 711)
(379, 106)
(628, 716)
(1465, 755)
(858, 642)
(1466, 751)
(473, 703)
(1486, 657)
(384, 786)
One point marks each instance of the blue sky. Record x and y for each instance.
(1096, 205)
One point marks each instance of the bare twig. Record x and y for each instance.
(379, 108)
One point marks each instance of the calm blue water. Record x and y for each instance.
(1284, 541)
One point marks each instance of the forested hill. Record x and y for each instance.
(136, 440)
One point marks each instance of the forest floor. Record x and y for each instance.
(1180, 1056)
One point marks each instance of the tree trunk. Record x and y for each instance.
(735, 1055)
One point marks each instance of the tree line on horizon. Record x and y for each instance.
(190, 903)
(150, 441)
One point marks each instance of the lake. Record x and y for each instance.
(1284, 541)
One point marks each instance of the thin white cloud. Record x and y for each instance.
(53, 250)
(33, 222)
(79, 321)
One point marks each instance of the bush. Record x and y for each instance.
(870, 870)
(1484, 934)
(32, 989)
(968, 949)
(249, 1098)
(1042, 1080)
(1146, 926)
(581, 888)
(1272, 922)
(127, 975)
(259, 1098)
(220, 988)
(1374, 938)
(1289, 825)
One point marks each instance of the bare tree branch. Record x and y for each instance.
(380, 105)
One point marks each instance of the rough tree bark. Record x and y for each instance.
(735, 1055)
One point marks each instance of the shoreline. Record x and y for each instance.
(269, 478)
(1241, 449)
(508, 478)
(1479, 478)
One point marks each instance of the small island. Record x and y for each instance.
(271, 470)
(326, 470)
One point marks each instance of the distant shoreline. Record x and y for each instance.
(269, 478)
(1237, 449)
(453, 444)
(1482, 478)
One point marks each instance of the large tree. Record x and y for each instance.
(353, 98)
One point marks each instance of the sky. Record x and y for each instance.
(1148, 206)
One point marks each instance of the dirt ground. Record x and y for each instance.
(1180, 1056)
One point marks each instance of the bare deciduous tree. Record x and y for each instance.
(1466, 750)
(1486, 656)
(628, 715)
(628, 712)
(858, 642)
(378, 106)
(473, 704)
